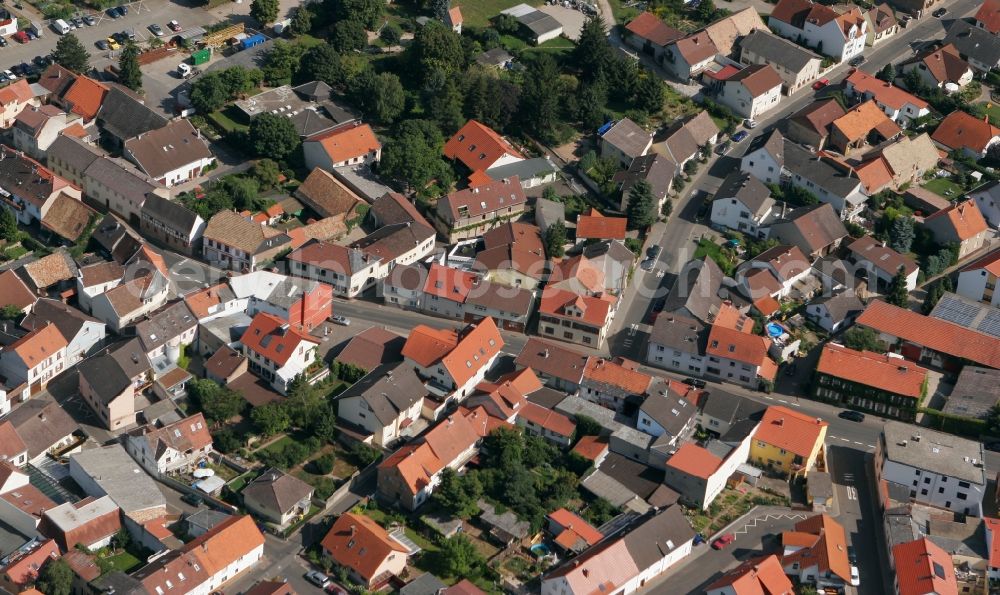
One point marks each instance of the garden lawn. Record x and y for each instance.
(992, 110)
(706, 247)
(621, 12)
(477, 13)
(124, 562)
(944, 187)
(224, 119)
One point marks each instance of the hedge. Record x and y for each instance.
(969, 427)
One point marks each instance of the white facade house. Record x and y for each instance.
(699, 475)
(744, 203)
(764, 158)
(752, 91)
(350, 271)
(174, 446)
(987, 199)
(279, 366)
(384, 403)
(840, 36)
(35, 358)
(939, 469)
(978, 280)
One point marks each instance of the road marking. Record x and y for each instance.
(852, 493)
(782, 401)
(861, 443)
(845, 439)
(768, 398)
(768, 517)
(870, 445)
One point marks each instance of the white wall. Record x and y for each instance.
(679, 361)
(972, 284)
(905, 475)
(762, 166)
(989, 205)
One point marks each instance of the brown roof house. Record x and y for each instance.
(369, 554)
(31, 188)
(961, 223)
(811, 124)
(328, 196)
(752, 91)
(816, 230)
(625, 141)
(940, 67)
(882, 24)
(960, 131)
(384, 403)
(277, 497)
(468, 213)
(647, 33)
(232, 241)
(178, 445)
(170, 155)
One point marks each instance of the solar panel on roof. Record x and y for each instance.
(991, 323)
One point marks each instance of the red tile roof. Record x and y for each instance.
(11, 445)
(591, 447)
(426, 345)
(274, 338)
(552, 421)
(649, 26)
(483, 199)
(828, 547)
(883, 92)
(990, 262)
(960, 130)
(615, 374)
(993, 526)
(964, 217)
(476, 348)
(596, 310)
(85, 97)
(758, 79)
(932, 333)
(225, 543)
(594, 225)
(348, 142)
(39, 345)
(478, 146)
(923, 567)
(694, 460)
(13, 291)
(989, 15)
(790, 430)
(16, 93)
(759, 576)
(201, 302)
(357, 542)
(891, 374)
(576, 527)
(23, 571)
(736, 345)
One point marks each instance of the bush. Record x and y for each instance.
(323, 464)
(954, 424)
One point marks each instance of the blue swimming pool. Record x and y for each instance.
(774, 329)
(541, 550)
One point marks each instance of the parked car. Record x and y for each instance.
(318, 578)
(192, 499)
(3, 42)
(123, 10)
(156, 30)
(342, 320)
(940, 12)
(89, 20)
(695, 382)
(16, 69)
(852, 556)
(647, 264)
(40, 61)
(852, 415)
(112, 12)
(858, 61)
(750, 123)
(723, 541)
(21, 37)
(77, 22)
(174, 26)
(113, 43)
(10, 75)
(821, 83)
(739, 136)
(723, 147)
(102, 44)
(855, 577)
(653, 251)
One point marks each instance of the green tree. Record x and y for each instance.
(862, 338)
(458, 494)
(217, 402)
(436, 46)
(56, 578)
(887, 74)
(649, 93)
(8, 225)
(366, 12)
(267, 172)
(303, 401)
(322, 63)
(443, 100)
(264, 11)
(381, 96)
(540, 97)
(209, 93)
(489, 99)
(592, 55)
(240, 81)
(898, 294)
(599, 512)
(10, 312)
(934, 293)
(323, 423)
(122, 540)
(348, 36)
(504, 448)
(301, 21)
(274, 136)
(270, 419)
(706, 11)
(129, 70)
(902, 234)
(281, 61)
(71, 54)
(391, 34)
(555, 239)
(242, 190)
(458, 557)
(591, 102)
(324, 463)
(587, 426)
(440, 9)
(641, 208)
(414, 157)
(365, 455)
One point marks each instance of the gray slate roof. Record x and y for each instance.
(678, 332)
(170, 213)
(696, 290)
(976, 391)
(524, 169)
(388, 390)
(124, 116)
(934, 451)
(975, 43)
(748, 190)
(777, 50)
(122, 178)
(841, 305)
(73, 152)
(164, 325)
(801, 162)
(667, 408)
(657, 537)
(731, 408)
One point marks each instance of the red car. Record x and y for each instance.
(821, 83)
(723, 541)
(21, 37)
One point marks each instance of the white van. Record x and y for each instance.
(183, 69)
(61, 27)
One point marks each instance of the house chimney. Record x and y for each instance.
(354, 529)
